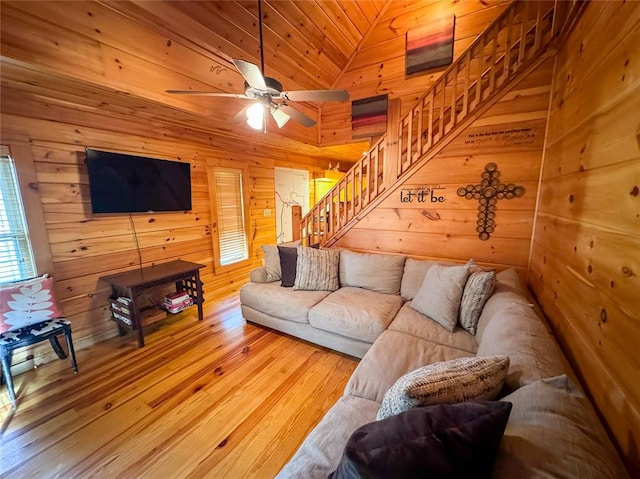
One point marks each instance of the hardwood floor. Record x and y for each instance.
(218, 398)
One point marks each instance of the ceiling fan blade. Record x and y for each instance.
(207, 93)
(251, 73)
(316, 95)
(298, 116)
(279, 116)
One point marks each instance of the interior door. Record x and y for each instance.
(292, 188)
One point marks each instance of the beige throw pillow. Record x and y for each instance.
(440, 294)
(552, 430)
(477, 291)
(317, 269)
(458, 380)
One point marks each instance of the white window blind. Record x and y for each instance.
(16, 257)
(232, 236)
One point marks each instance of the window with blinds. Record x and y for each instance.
(232, 235)
(16, 256)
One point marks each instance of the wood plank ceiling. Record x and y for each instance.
(120, 56)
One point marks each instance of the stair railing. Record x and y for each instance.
(519, 34)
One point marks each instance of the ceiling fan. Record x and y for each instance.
(267, 94)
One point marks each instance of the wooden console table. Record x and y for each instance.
(131, 284)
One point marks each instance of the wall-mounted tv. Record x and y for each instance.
(133, 184)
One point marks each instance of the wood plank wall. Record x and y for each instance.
(86, 246)
(511, 135)
(585, 264)
(378, 67)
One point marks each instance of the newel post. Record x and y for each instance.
(296, 222)
(391, 149)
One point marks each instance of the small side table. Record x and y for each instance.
(131, 284)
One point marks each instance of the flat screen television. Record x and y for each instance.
(133, 184)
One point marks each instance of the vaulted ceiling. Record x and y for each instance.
(121, 56)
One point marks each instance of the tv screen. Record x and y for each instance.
(133, 184)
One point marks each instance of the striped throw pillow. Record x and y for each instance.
(477, 291)
(458, 380)
(317, 269)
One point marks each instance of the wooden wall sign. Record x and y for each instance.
(488, 192)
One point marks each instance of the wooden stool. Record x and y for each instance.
(50, 329)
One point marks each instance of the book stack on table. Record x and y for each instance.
(121, 309)
(176, 302)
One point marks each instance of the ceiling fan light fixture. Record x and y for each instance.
(280, 117)
(255, 116)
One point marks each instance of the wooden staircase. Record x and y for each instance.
(509, 49)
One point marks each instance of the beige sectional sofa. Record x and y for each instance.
(348, 320)
(552, 431)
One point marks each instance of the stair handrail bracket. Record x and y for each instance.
(507, 48)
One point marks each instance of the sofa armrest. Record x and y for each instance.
(258, 275)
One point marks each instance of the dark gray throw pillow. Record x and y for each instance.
(440, 441)
(289, 263)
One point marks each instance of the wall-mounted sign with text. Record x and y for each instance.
(502, 137)
(423, 194)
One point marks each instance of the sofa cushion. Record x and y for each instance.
(375, 272)
(504, 297)
(392, 355)
(413, 276)
(510, 280)
(553, 431)
(514, 329)
(342, 344)
(285, 303)
(317, 269)
(443, 441)
(258, 275)
(454, 381)
(477, 291)
(320, 453)
(272, 259)
(409, 321)
(440, 294)
(356, 313)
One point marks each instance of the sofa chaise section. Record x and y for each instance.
(552, 431)
(392, 355)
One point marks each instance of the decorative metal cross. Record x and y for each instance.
(488, 192)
